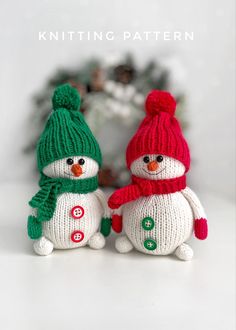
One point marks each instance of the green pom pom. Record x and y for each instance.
(34, 228)
(66, 97)
(105, 226)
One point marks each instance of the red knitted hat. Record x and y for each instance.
(159, 132)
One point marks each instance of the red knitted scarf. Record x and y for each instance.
(143, 187)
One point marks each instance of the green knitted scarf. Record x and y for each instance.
(46, 198)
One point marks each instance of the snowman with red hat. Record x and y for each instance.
(157, 211)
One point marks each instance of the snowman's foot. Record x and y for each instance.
(43, 246)
(123, 244)
(184, 252)
(97, 241)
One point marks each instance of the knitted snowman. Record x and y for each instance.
(159, 212)
(67, 210)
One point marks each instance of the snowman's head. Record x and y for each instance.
(74, 167)
(157, 167)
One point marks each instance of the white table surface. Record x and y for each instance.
(86, 289)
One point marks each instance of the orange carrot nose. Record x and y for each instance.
(152, 166)
(76, 169)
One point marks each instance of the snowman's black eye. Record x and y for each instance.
(146, 159)
(70, 161)
(81, 161)
(159, 158)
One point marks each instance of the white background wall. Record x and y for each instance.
(209, 62)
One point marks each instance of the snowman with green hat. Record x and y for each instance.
(69, 210)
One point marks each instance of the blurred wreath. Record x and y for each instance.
(113, 93)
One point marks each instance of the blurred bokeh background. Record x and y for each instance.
(114, 76)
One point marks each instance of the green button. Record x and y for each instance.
(150, 244)
(148, 223)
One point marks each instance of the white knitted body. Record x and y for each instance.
(59, 229)
(173, 219)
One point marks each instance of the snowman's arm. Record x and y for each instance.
(117, 221)
(200, 221)
(118, 199)
(34, 228)
(103, 201)
(106, 219)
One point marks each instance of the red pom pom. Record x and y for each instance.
(160, 101)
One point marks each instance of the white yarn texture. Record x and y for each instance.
(173, 222)
(59, 229)
(167, 169)
(60, 168)
(171, 216)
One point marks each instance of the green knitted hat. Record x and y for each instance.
(66, 133)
